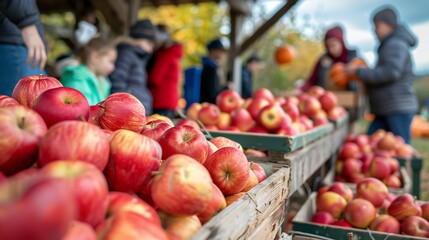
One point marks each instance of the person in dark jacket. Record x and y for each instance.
(22, 48)
(165, 73)
(336, 51)
(130, 74)
(210, 79)
(253, 65)
(390, 84)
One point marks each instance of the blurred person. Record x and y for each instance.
(165, 73)
(90, 77)
(210, 77)
(130, 73)
(336, 51)
(390, 84)
(22, 47)
(253, 66)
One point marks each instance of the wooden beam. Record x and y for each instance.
(266, 26)
(115, 13)
(133, 10)
(241, 6)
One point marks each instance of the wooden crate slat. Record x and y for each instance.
(270, 227)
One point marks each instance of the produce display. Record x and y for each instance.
(264, 113)
(338, 76)
(371, 207)
(73, 171)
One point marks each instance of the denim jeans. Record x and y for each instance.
(398, 124)
(13, 67)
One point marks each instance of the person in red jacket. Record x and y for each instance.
(165, 74)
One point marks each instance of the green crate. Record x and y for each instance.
(416, 164)
(340, 122)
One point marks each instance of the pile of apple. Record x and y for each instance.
(73, 171)
(371, 207)
(264, 113)
(372, 156)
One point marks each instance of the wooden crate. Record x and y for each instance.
(353, 101)
(259, 214)
(416, 165)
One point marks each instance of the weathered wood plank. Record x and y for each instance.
(270, 227)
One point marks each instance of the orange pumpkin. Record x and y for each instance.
(284, 54)
(338, 76)
(359, 62)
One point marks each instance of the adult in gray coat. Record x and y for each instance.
(390, 84)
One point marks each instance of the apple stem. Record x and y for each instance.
(40, 76)
(81, 118)
(154, 173)
(21, 123)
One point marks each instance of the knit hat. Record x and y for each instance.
(335, 32)
(143, 29)
(386, 15)
(215, 44)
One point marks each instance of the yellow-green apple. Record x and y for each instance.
(36, 208)
(292, 110)
(130, 226)
(360, 213)
(188, 122)
(263, 93)
(80, 231)
(342, 189)
(258, 171)
(7, 101)
(254, 153)
(316, 91)
(258, 129)
(341, 223)
(256, 106)
(271, 117)
(234, 197)
(392, 181)
(415, 226)
(30, 87)
(336, 113)
(224, 121)
(155, 129)
(372, 190)
(229, 169)
(386, 223)
(242, 119)
(87, 185)
(331, 202)
(311, 106)
(351, 166)
(209, 114)
(21, 130)
(349, 150)
(323, 218)
(212, 148)
(133, 157)
(156, 116)
(321, 191)
(425, 211)
(180, 227)
(124, 202)
(228, 101)
(182, 186)
(379, 168)
(404, 206)
(192, 111)
(122, 111)
(251, 181)
(404, 151)
(221, 142)
(184, 140)
(94, 115)
(74, 140)
(387, 142)
(328, 101)
(217, 203)
(59, 104)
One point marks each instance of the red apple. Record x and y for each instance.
(351, 166)
(246, 103)
(21, 130)
(155, 129)
(188, 122)
(263, 93)
(146, 193)
(321, 191)
(122, 111)
(256, 106)
(392, 181)
(292, 99)
(288, 131)
(321, 122)
(209, 115)
(251, 182)
(60, 104)
(182, 187)
(379, 168)
(323, 218)
(184, 140)
(133, 157)
(356, 177)
(328, 101)
(292, 110)
(404, 151)
(372, 190)
(242, 119)
(425, 211)
(228, 101)
(342, 189)
(159, 117)
(331, 202)
(316, 91)
(130, 226)
(234, 197)
(404, 206)
(2, 177)
(221, 142)
(211, 128)
(310, 106)
(74, 140)
(386, 223)
(254, 153)
(388, 142)
(80, 231)
(360, 213)
(415, 226)
(229, 170)
(224, 121)
(7, 101)
(349, 150)
(336, 113)
(280, 100)
(258, 171)
(341, 223)
(192, 111)
(306, 122)
(94, 115)
(394, 165)
(216, 204)
(88, 186)
(258, 129)
(271, 117)
(180, 227)
(30, 87)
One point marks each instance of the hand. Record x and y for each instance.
(351, 69)
(35, 46)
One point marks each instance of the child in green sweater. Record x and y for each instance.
(90, 77)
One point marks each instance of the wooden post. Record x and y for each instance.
(133, 10)
(237, 20)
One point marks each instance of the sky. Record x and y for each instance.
(355, 17)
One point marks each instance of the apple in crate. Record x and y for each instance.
(221, 142)
(217, 203)
(316, 91)
(228, 101)
(192, 111)
(224, 121)
(88, 186)
(360, 213)
(328, 101)
(133, 157)
(251, 181)
(229, 169)
(234, 197)
(386, 223)
(7, 101)
(379, 168)
(415, 226)
(155, 129)
(211, 149)
(80, 231)
(256, 106)
(160, 117)
(209, 114)
(21, 130)
(323, 218)
(122, 111)
(425, 211)
(373, 190)
(182, 186)
(36, 208)
(342, 189)
(258, 170)
(130, 226)
(30, 87)
(292, 110)
(351, 166)
(74, 140)
(404, 206)
(263, 93)
(271, 117)
(332, 203)
(310, 106)
(188, 122)
(180, 227)
(392, 181)
(349, 150)
(242, 119)
(94, 115)
(341, 223)
(404, 151)
(184, 140)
